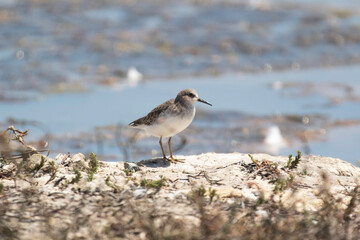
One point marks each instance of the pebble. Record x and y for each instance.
(139, 193)
(131, 166)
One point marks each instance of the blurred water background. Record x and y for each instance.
(281, 75)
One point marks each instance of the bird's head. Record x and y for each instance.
(190, 95)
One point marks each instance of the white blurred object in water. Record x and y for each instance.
(260, 4)
(134, 76)
(277, 85)
(274, 140)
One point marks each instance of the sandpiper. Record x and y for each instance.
(170, 118)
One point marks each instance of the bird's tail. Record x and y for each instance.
(135, 123)
(138, 123)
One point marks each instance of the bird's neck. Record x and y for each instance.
(181, 102)
(187, 106)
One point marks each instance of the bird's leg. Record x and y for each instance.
(171, 154)
(162, 150)
(169, 143)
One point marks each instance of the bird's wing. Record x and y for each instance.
(151, 117)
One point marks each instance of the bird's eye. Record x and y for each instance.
(191, 95)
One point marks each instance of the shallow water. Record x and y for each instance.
(249, 93)
(67, 45)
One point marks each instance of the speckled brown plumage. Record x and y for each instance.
(181, 107)
(151, 117)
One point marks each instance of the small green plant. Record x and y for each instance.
(197, 193)
(113, 186)
(201, 191)
(291, 178)
(212, 194)
(293, 163)
(38, 166)
(107, 181)
(2, 160)
(51, 169)
(1, 187)
(94, 166)
(77, 177)
(261, 200)
(265, 169)
(282, 184)
(157, 184)
(305, 172)
(128, 172)
(254, 160)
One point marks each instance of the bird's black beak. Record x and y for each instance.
(203, 101)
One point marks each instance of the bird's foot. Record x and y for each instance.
(167, 159)
(172, 159)
(176, 159)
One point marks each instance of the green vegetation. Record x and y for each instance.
(260, 201)
(77, 177)
(37, 166)
(266, 169)
(51, 169)
(252, 159)
(270, 171)
(113, 186)
(198, 194)
(212, 194)
(282, 184)
(128, 172)
(157, 184)
(94, 166)
(305, 172)
(293, 163)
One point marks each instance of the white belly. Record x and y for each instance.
(168, 127)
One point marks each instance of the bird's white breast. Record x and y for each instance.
(168, 126)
